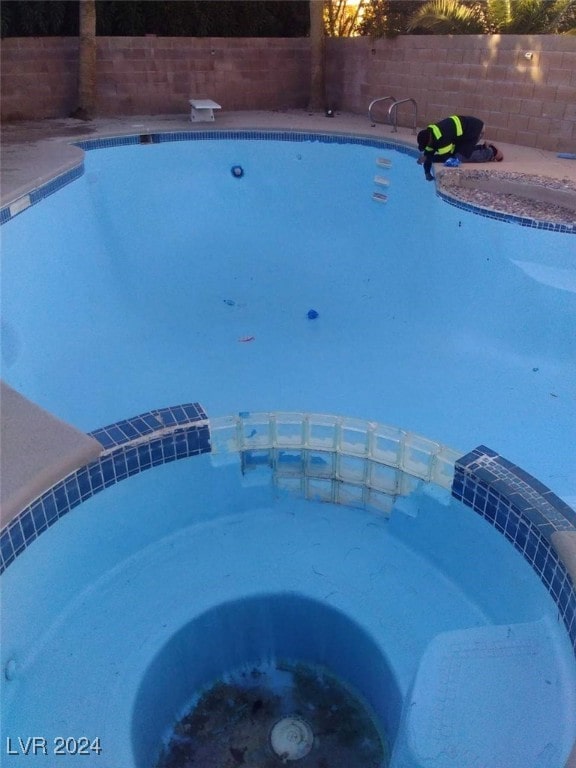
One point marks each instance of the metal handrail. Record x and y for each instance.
(393, 111)
(383, 98)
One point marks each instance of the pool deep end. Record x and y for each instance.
(246, 633)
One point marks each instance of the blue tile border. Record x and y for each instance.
(114, 141)
(290, 136)
(37, 195)
(246, 135)
(527, 513)
(325, 138)
(507, 217)
(269, 135)
(129, 430)
(128, 447)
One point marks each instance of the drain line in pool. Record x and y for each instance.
(291, 738)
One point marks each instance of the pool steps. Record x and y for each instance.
(381, 181)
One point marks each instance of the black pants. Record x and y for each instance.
(466, 144)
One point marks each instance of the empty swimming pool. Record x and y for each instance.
(281, 295)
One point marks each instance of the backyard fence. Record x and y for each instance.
(522, 86)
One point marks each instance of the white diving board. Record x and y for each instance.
(202, 110)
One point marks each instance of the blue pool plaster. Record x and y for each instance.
(437, 335)
(429, 322)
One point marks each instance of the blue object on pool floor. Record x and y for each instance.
(567, 155)
(312, 314)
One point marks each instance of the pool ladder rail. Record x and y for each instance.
(392, 114)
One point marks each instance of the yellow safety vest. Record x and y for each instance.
(438, 135)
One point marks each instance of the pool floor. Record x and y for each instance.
(197, 287)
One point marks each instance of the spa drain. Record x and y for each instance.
(275, 715)
(291, 738)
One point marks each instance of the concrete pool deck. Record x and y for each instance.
(33, 152)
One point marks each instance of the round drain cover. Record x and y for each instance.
(291, 738)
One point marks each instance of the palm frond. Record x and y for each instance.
(447, 17)
(524, 17)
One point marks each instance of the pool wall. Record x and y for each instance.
(38, 194)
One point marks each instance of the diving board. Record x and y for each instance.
(202, 110)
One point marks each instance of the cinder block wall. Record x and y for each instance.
(531, 102)
(523, 101)
(154, 75)
(38, 77)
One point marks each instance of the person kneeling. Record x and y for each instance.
(454, 137)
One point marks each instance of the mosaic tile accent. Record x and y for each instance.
(129, 447)
(318, 436)
(508, 217)
(330, 458)
(526, 512)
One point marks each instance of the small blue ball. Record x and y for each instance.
(312, 314)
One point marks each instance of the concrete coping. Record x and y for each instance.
(566, 198)
(34, 164)
(36, 452)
